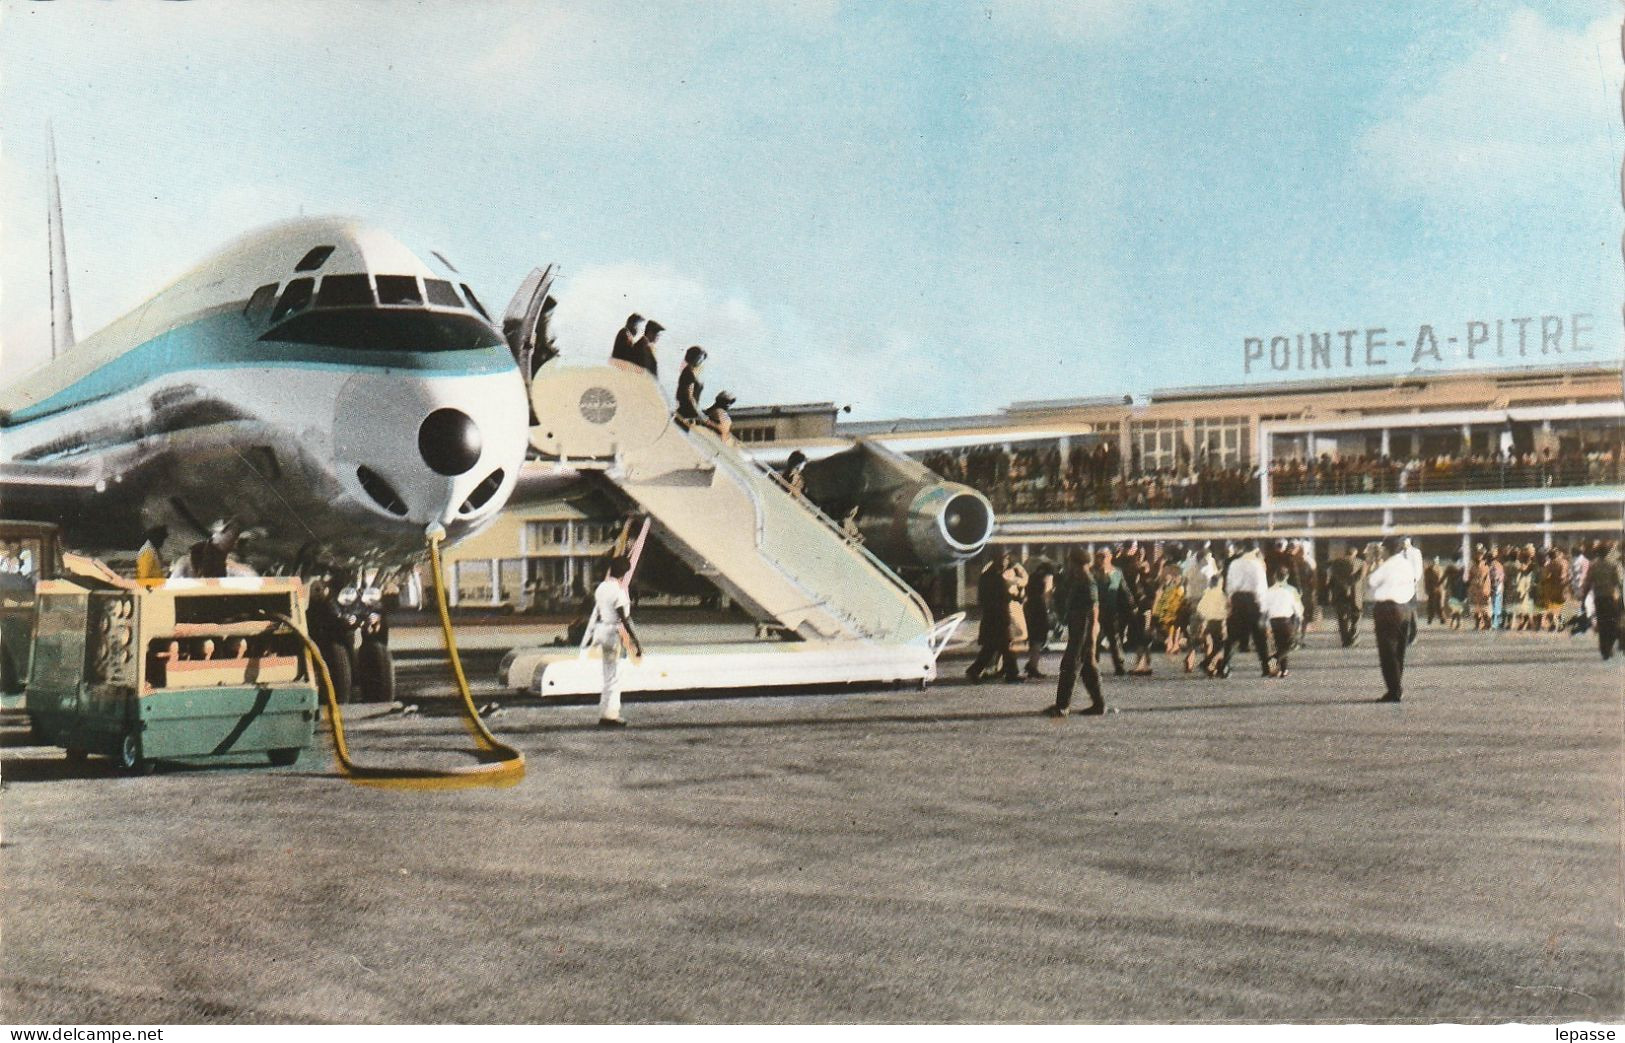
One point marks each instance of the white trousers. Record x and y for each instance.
(608, 640)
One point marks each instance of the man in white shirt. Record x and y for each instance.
(1245, 581)
(1283, 607)
(612, 616)
(1393, 590)
(1413, 554)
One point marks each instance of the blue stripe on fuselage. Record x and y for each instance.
(227, 340)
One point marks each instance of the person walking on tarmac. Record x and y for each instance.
(1345, 579)
(1246, 581)
(1604, 583)
(149, 562)
(1282, 605)
(1040, 588)
(1212, 612)
(993, 595)
(1112, 595)
(1079, 662)
(1393, 592)
(613, 626)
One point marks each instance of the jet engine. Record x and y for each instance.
(908, 516)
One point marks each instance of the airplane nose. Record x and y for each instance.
(449, 442)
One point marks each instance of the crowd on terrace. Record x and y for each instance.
(1351, 474)
(1043, 479)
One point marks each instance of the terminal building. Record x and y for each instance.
(1524, 456)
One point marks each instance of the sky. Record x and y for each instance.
(911, 209)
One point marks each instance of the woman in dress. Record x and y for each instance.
(1478, 589)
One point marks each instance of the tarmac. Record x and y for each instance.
(1246, 850)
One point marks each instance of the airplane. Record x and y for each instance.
(335, 396)
(331, 392)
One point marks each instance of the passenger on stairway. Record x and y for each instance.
(626, 339)
(689, 388)
(643, 352)
(795, 473)
(717, 418)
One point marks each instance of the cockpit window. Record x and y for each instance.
(314, 260)
(260, 301)
(442, 294)
(475, 301)
(339, 291)
(295, 297)
(369, 329)
(399, 289)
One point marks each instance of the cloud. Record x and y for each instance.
(1526, 115)
(1075, 21)
(762, 358)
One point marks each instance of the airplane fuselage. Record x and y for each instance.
(316, 381)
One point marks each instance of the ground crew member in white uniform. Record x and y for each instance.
(613, 622)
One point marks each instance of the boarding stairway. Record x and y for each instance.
(728, 517)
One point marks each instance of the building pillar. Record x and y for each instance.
(959, 585)
(454, 588)
(1466, 536)
(1387, 512)
(1466, 439)
(1546, 524)
(1385, 441)
(496, 582)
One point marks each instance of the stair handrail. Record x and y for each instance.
(832, 525)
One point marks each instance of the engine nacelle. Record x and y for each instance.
(907, 514)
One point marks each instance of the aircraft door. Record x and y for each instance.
(525, 325)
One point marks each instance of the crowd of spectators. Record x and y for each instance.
(1353, 474)
(1037, 480)
(1091, 479)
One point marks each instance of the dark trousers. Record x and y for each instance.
(992, 654)
(1348, 621)
(1392, 622)
(1247, 626)
(1111, 629)
(1078, 663)
(1607, 624)
(1436, 607)
(1282, 632)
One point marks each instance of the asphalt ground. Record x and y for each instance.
(1216, 851)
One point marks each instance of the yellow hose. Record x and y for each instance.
(506, 768)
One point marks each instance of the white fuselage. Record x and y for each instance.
(339, 418)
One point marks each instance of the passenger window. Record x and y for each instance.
(314, 260)
(295, 297)
(475, 301)
(339, 291)
(260, 301)
(399, 289)
(442, 294)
